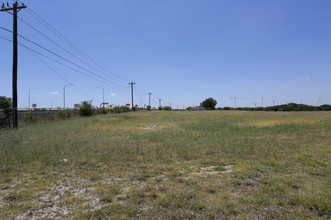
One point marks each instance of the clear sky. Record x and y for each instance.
(182, 51)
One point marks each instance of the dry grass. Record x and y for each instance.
(210, 164)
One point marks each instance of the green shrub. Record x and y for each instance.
(325, 108)
(68, 113)
(86, 108)
(120, 109)
(117, 109)
(134, 108)
(102, 110)
(30, 118)
(160, 108)
(51, 117)
(149, 107)
(125, 108)
(61, 114)
(167, 108)
(5, 107)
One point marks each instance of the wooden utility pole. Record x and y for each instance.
(16, 8)
(132, 83)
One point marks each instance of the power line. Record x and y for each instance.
(51, 68)
(34, 53)
(61, 57)
(73, 46)
(42, 34)
(28, 48)
(6, 38)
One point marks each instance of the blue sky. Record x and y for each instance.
(182, 51)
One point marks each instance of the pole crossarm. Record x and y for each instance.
(3, 8)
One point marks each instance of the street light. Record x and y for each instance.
(103, 94)
(30, 95)
(64, 95)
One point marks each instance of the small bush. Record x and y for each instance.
(5, 107)
(125, 108)
(30, 118)
(86, 108)
(68, 113)
(149, 107)
(117, 109)
(61, 114)
(134, 108)
(167, 108)
(120, 109)
(160, 108)
(51, 117)
(102, 110)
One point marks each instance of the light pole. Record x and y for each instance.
(30, 95)
(64, 95)
(131, 84)
(103, 94)
(149, 102)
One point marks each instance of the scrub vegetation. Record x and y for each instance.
(165, 164)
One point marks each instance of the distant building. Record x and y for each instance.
(198, 108)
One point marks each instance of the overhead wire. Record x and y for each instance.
(73, 46)
(42, 34)
(64, 65)
(61, 57)
(6, 38)
(34, 53)
(77, 49)
(60, 75)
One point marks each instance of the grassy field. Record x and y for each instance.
(169, 165)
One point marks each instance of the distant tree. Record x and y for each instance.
(149, 107)
(325, 107)
(209, 103)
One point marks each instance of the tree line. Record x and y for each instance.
(210, 104)
(281, 108)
